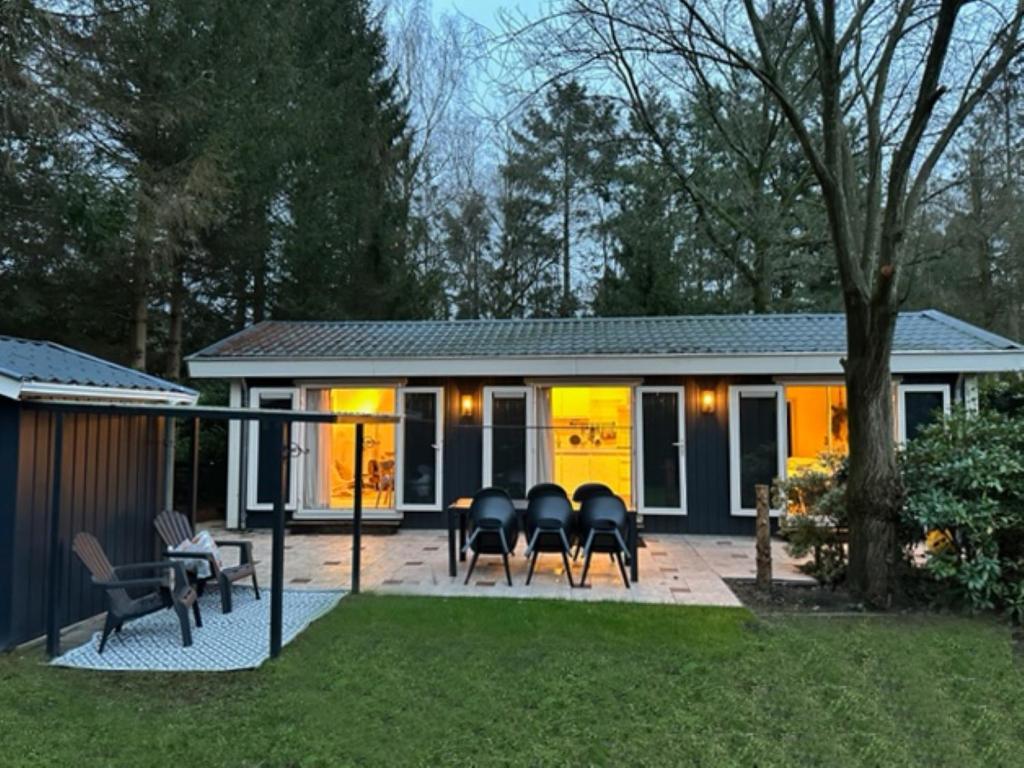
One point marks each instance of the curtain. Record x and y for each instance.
(318, 453)
(545, 436)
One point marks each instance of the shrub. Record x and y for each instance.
(814, 520)
(964, 478)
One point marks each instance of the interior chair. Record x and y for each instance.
(548, 526)
(494, 528)
(153, 580)
(603, 525)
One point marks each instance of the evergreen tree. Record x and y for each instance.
(561, 161)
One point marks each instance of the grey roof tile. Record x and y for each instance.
(43, 361)
(928, 330)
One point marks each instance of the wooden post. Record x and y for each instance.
(764, 539)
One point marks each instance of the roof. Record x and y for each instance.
(38, 369)
(924, 331)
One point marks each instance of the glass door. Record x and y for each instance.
(757, 442)
(420, 448)
(661, 462)
(261, 486)
(508, 440)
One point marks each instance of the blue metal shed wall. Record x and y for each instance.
(8, 473)
(111, 480)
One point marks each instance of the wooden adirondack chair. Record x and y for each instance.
(121, 606)
(174, 528)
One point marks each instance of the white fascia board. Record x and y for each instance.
(10, 387)
(634, 365)
(34, 390)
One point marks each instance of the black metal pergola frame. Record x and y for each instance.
(268, 462)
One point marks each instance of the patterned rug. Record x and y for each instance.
(239, 640)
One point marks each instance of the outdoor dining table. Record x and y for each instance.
(458, 519)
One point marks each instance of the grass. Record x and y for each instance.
(428, 681)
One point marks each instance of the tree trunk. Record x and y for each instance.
(259, 288)
(566, 277)
(762, 287)
(141, 267)
(176, 322)
(874, 492)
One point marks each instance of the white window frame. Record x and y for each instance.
(754, 390)
(638, 456)
(531, 433)
(902, 391)
(400, 504)
(295, 467)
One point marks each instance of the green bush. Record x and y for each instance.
(814, 520)
(964, 478)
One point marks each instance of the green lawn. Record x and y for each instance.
(421, 681)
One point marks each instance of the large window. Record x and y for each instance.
(590, 438)
(816, 425)
(919, 406)
(330, 477)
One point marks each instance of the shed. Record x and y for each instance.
(112, 473)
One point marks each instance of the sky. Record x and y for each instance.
(486, 11)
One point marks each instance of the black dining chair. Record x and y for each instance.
(548, 527)
(590, 490)
(546, 489)
(495, 528)
(603, 528)
(580, 495)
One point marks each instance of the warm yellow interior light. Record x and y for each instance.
(591, 437)
(467, 405)
(335, 446)
(817, 425)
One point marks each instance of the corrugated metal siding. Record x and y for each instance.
(8, 473)
(111, 480)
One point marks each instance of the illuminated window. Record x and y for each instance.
(591, 438)
(818, 425)
(330, 450)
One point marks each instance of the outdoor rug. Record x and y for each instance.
(238, 640)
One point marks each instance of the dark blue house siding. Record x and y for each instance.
(112, 481)
(708, 503)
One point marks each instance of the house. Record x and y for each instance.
(112, 471)
(682, 416)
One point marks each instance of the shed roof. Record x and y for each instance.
(923, 331)
(31, 368)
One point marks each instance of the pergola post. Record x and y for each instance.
(53, 552)
(194, 502)
(357, 511)
(279, 469)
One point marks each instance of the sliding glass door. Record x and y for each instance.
(660, 460)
